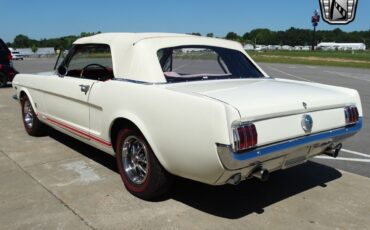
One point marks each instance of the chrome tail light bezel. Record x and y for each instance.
(249, 138)
(351, 115)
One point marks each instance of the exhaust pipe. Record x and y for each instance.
(262, 174)
(334, 151)
(235, 179)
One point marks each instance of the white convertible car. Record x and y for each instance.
(195, 107)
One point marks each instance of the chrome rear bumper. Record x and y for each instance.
(311, 145)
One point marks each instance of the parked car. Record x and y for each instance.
(7, 72)
(16, 55)
(190, 106)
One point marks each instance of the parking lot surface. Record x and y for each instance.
(56, 182)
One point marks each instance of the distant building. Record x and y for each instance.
(286, 47)
(45, 51)
(341, 46)
(42, 51)
(191, 50)
(274, 47)
(25, 51)
(249, 47)
(301, 48)
(260, 47)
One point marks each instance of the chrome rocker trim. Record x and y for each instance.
(236, 160)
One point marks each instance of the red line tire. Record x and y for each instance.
(156, 181)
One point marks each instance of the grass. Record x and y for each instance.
(358, 59)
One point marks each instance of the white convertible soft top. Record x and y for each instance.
(135, 54)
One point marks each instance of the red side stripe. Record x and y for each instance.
(79, 132)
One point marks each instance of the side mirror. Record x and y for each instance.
(62, 70)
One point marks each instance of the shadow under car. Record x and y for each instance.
(227, 201)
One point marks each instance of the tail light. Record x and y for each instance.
(351, 114)
(10, 57)
(245, 137)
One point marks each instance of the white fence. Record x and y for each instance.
(326, 46)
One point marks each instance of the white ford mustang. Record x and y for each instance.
(195, 107)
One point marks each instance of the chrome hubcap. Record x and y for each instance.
(27, 114)
(135, 159)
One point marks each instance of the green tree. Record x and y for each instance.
(263, 37)
(292, 36)
(210, 35)
(86, 34)
(246, 37)
(34, 48)
(21, 41)
(232, 36)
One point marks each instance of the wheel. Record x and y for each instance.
(31, 123)
(3, 80)
(140, 170)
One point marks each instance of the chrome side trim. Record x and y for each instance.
(233, 160)
(138, 82)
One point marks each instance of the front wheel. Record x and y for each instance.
(140, 170)
(31, 123)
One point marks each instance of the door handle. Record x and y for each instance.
(84, 88)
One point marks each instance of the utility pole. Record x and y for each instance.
(315, 21)
(255, 42)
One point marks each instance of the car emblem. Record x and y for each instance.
(338, 11)
(307, 123)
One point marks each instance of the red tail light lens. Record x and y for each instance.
(242, 138)
(245, 137)
(351, 114)
(254, 136)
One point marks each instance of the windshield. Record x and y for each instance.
(194, 63)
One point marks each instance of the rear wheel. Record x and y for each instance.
(3, 80)
(31, 123)
(140, 170)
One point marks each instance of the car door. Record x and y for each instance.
(67, 93)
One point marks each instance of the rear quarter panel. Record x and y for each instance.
(182, 129)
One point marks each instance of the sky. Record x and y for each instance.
(39, 19)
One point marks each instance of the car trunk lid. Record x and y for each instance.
(263, 98)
